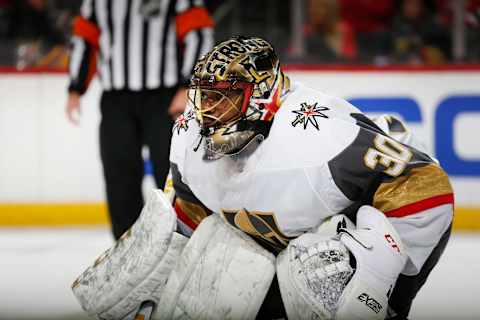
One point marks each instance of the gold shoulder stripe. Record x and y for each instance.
(417, 185)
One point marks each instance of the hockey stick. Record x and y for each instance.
(145, 311)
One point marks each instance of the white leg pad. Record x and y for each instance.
(222, 274)
(136, 268)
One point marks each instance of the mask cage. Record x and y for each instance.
(219, 104)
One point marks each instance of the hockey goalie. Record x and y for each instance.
(283, 202)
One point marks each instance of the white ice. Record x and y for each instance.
(37, 267)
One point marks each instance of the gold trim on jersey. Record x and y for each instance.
(260, 225)
(168, 188)
(195, 212)
(419, 184)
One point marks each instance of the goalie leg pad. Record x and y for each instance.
(222, 274)
(136, 268)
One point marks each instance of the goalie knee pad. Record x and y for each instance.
(222, 274)
(136, 268)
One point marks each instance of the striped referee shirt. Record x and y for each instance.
(138, 44)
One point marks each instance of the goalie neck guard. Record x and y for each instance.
(236, 89)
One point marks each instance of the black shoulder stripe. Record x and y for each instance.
(181, 189)
(365, 122)
(348, 168)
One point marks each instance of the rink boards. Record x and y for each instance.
(50, 171)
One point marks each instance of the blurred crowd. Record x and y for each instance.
(380, 32)
(389, 31)
(35, 32)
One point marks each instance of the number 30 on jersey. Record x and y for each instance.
(391, 154)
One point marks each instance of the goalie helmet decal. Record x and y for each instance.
(236, 89)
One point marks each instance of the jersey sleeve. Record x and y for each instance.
(190, 211)
(407, 185)
(194, 28)
(83, 56)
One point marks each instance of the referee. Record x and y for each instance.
(143, 52)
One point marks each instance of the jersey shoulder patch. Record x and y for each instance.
(312, 126)
(305, 108)
(185, 133)
(182, 123)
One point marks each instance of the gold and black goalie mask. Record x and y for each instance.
(236, 89)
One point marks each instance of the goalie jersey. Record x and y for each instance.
(322, 157)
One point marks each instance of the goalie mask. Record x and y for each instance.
(236, 89)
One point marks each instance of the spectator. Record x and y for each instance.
(370, 20)
(417, 37)
(328, 38)
(471, 22)
(146, 51)
(473, 30)
(4, 12)
(30, 21)
(33, 36)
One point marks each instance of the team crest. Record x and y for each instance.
(262, 226)
(182, 121)
(308, 113)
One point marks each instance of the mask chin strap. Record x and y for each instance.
(195, 149)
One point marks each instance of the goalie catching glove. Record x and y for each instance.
(319, 280)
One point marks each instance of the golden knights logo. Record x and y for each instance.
(182, 121)
(262, 226)
(308, 113)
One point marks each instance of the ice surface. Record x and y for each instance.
(37, 267)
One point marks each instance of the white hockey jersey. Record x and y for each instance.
(322, 157)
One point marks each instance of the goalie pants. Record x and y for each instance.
(400, 301)
(407, 287)
(130, 120)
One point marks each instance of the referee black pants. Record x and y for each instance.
(130, 120)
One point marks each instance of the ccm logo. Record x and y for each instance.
(370, 302)
(392, 242)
